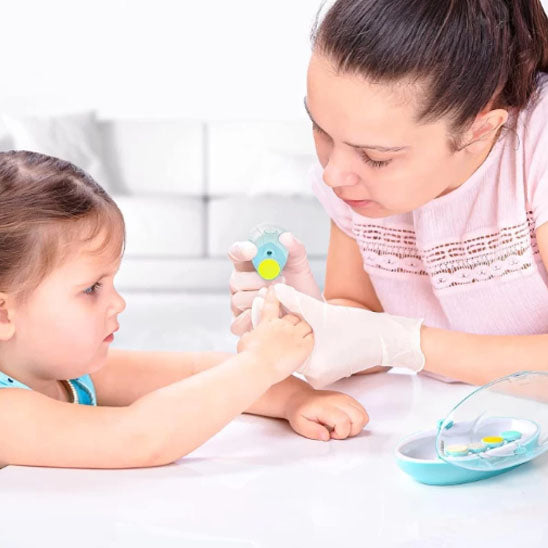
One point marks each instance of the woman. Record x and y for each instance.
(429, 125)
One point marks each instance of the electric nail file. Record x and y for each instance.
(271, 255)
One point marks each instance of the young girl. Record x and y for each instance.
(61, 240)
(430, 127)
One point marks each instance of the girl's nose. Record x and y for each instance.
(118, 304)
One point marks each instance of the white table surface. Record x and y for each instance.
(258, 484)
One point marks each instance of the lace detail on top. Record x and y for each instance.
(451, 264)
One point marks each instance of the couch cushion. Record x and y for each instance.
(163, 226)
(155, 156)
(73, 137)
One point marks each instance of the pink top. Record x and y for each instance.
(467, 261)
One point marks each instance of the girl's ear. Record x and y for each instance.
(7, 325)
(484, 128)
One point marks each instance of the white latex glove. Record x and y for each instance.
(349, 340)
(245, 282)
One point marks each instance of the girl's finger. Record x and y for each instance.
(342, 425)
(358, 419)
(271, 306)
(257, 311)
(293, 320)
(304, 328)
(311, 429)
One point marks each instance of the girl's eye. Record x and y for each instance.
(373, 163)
(92, 290)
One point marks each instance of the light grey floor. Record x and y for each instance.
(175, 321)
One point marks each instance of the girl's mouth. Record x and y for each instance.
(110, 337)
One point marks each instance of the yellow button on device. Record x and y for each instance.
(493, 441)
(268, 269)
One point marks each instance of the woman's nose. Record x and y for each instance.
(335, 177)
(336, 173)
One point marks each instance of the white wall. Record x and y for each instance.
(163, 58)
(212, 59)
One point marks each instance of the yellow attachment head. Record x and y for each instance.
(268, 269)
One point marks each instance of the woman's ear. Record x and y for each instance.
(7, 313)
(484, 128)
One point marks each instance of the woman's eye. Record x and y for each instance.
(373, 163)
(92, 290)
(318, 129)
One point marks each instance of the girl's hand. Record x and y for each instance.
(324, 415)
(245, 282)
(280, 344)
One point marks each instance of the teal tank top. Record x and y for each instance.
(82, 387)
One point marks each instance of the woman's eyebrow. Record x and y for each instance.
(370, 147)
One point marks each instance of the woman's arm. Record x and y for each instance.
(346, 282)
(351, 285)
(476, 359)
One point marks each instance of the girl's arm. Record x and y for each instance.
(156, 429)
(161, 426)
(130, 375)
(476, 359)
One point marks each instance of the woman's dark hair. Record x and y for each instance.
(470, 53)
(45, 205)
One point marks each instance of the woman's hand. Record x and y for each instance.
(348, 339)
(324, 415)
(245, 282)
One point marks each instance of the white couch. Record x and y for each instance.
(189, 188)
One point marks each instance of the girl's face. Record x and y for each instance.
(375, 156)
(63, 330)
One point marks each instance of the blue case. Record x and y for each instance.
(489, 432)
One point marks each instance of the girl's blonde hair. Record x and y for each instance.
(46, 204)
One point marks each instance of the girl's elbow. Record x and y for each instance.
(157, 450)
(150, 443)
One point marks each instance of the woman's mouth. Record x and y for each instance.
(359, 203)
